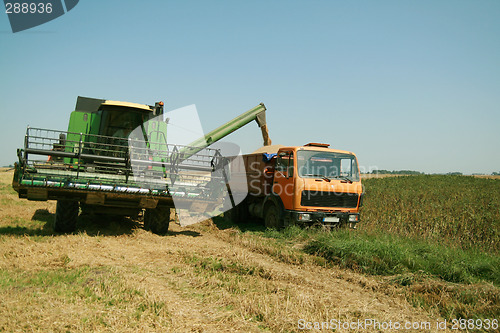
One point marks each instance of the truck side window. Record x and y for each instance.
(282, 162)
(290, 165)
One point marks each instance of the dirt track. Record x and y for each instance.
(206, 280)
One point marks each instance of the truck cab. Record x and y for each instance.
(316, 184)
(309, 185)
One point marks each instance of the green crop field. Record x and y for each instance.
(455, 211)
(437, 237)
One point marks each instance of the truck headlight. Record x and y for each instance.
(353, 218)
(304, 217)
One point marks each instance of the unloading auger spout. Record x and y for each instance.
(257, 113)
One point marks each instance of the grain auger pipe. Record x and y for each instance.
(257, 113)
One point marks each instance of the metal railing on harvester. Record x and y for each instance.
(94, 162)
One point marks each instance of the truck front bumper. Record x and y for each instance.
(333, 219)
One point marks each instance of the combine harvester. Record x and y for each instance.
(115, 159)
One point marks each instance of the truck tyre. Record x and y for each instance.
(272, 217)
(66, 215)
(157, 220)
(232, 215)
(238, 214)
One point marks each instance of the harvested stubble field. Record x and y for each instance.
(216, 277)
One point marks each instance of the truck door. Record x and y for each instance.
(283, 184)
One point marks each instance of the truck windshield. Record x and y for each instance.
(319, 164)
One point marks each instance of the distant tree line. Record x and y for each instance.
(396, 172)
(411, 172)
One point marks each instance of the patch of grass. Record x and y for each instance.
(450, 300)
(7, 189)
(454, 282)
(68, 298)
(275, 244)
(10, 201)
(290, 234)
(246, 290)
(20, 226)
(214, 265)
(384, 254)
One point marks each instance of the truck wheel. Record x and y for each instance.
(157, 220)
(232, 215)
(272, 218)
(238, 214)
(66, 215)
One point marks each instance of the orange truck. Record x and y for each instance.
(308, 185)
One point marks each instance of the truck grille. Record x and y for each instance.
(329, 199)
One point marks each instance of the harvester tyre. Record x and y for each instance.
(157, 220)
(66, 216)
(272, 217)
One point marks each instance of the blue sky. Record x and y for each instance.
(403, 84)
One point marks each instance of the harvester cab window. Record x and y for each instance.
(120, 123)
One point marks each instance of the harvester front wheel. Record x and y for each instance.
(66, 216)
(157, 220)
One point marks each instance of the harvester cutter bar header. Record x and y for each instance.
(76, 158)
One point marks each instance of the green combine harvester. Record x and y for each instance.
(115, 159)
